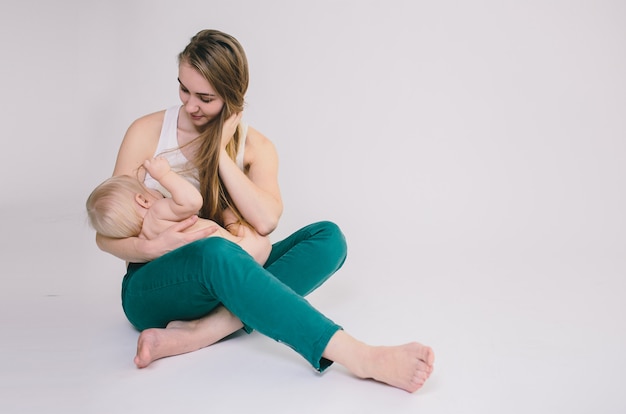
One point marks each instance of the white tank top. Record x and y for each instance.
(168, 148)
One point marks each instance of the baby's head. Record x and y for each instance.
(112, 209)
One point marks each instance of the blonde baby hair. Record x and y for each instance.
(111, 207)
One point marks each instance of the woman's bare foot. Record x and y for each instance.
(180, 337)
(154, 344)
(404, 366)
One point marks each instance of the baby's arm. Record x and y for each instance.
(186, 200)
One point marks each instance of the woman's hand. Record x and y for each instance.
(229, 128)
(175, 237)
(136, 250)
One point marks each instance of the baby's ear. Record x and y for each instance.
(142, 200)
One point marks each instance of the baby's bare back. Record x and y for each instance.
(201, 224)
(204, 223)
(153, 227)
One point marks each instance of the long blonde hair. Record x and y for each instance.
(111, 207)
(220, 58)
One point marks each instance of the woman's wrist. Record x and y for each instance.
(224, 161)
(146, 249)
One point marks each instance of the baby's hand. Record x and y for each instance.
(157, 167)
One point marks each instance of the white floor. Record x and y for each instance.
(514, 332)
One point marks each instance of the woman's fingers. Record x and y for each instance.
(183, 224)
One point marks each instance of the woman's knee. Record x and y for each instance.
(334, 232)
(334, 239)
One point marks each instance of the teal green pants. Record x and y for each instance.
(189, 282)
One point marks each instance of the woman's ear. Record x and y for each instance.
(142, 200)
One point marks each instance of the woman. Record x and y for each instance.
(184, 291)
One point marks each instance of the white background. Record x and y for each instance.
(473, 152)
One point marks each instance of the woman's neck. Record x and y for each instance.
(185, 129)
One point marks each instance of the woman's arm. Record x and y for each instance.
(139, 144)
(256, 193)
(134, 249)
(248, 238)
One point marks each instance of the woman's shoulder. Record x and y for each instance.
(258, 146)
(256, 139)
(139, 143)
(148, 123)
(146, 130)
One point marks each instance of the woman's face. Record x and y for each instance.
(200, 101)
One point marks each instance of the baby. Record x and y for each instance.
(123, 207)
